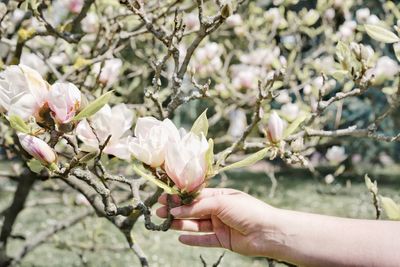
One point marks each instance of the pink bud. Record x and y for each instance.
(37, 148)
(75, 6)
(275, 128)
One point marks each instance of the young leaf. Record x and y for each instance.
(201, 124)
(294, 125)
(396, 48)
(392, 210)
(250, 160)
(35, 165)
(18, 124)
(210, 158)
(372, 187)
(147, 175)
(381, 34)
(94, 106)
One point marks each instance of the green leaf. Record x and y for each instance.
(18, 124)
(94, 106)
(381, 34)
(201, 124)
(210, 158)
(339, 75)
(311, 17)
(392, 210)
(294, 125)
(139, 170)
(35, 165)
(250, 160)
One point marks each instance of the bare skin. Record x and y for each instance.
(236, 221)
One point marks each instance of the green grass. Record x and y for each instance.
(72, 247)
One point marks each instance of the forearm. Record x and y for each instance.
(316, 240)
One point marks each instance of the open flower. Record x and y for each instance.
(275, 128)
(64, 100)
(152, 137)
(23, 91)
(107, 121)
(37, 148)
(185, 162)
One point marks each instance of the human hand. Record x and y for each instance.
(230, 218)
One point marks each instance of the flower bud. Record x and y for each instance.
(275, 128)
(336, 154)
(38, 149)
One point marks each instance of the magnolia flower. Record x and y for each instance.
(23, 91)
(237, 122)
(110, 71)
(107, 121)
(234, 20)
(185, 161)
(37, 148)
(75, 6)
(336, 154)
(275, 128)
(291, 111)
(207, 59)
(191, 21)
(152, 138)
(64, 100)
(90, 24)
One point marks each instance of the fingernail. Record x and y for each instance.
(175, 211)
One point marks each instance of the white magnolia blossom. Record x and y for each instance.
(116, 122)
(37, 148)
(291, 111)
(90, 24)
(234, 20)
(23, 91)
(151, 138)
(185, 161)
(110, 71)
(275, 128)
(207, 59)
(385, 68)
(64, 100)
(336, 154)
(35, 62)
(237, 122)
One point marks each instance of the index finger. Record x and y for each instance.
(206, 192)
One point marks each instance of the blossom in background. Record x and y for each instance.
(185, 161)
(237, 122)
(385, 68)
(35, 62)
(37, 148)
(244, 77)
(151, 138)
(275, 128)
(234, 20)
(90, 24)
(336, 154)
(346, 30)
(116, 122)
(75, 6)
(109, 72)
(207, 59)
(64, 100)
(191, 21)
(23, 91)
(290, 111)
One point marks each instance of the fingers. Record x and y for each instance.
(199, 209)
(162, 212)
(204, 226)
(206, 192)
(208, 240)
